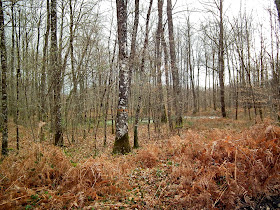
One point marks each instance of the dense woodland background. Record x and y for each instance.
(198, 99)
(62, 65)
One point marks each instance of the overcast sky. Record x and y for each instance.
(195, 8)
(258, 8)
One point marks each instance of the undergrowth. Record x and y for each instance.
(226, 167)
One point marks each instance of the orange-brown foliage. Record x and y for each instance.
(219, 168)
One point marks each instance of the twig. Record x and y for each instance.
(3, 178)
(13, 200)
(217, 200)
(13, 183)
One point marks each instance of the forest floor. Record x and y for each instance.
(213, 164)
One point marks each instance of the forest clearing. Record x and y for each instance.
(213, 164)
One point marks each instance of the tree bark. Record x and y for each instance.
(12, 83)
(221, 62)
(166, 71)
(136, 144)
(44, 111)
(160, 108)
(276, 73)
(174, 68)
(18, 84)
(56, 79)
(3, 50)
(133, 41)
(191, 68)
(121, 144)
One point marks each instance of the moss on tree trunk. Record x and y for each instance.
(136, 144)
(122, 145)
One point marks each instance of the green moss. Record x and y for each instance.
(122, 145)
(136, 144)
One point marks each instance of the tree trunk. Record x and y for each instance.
(160, 107)
(205, 86)
(3, 50)
(122, 139)
(44, 111)
(56, 73)
(110, 84)
(221, 62)
(74, 74)
(136, 144)
(132, 62)
(166, 71)
(12, 81)
(191, 68)
(174, 68)
(17, 85)
(213, 82)
(132, 67)
(276, 73)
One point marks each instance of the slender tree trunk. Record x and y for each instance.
(205, 86)
(3, 50)
(213, 83)
(17, 85)
(193, 87)
(168, 90)
(198, 85)
(166, 69)
(160, 108)
(44, 111)
(12, 89)
(74, 74)
(149, 103)
(56, 70)
(276, 73)
(191, 69)
(112, 116)
(122, 139)
(132, 66)
(175, 73)
(136, 144)
(236, 98)
(36, 73)
(221, 62)
(132, 62)
(110, 83)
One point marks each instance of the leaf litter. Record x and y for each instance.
(218, 168)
